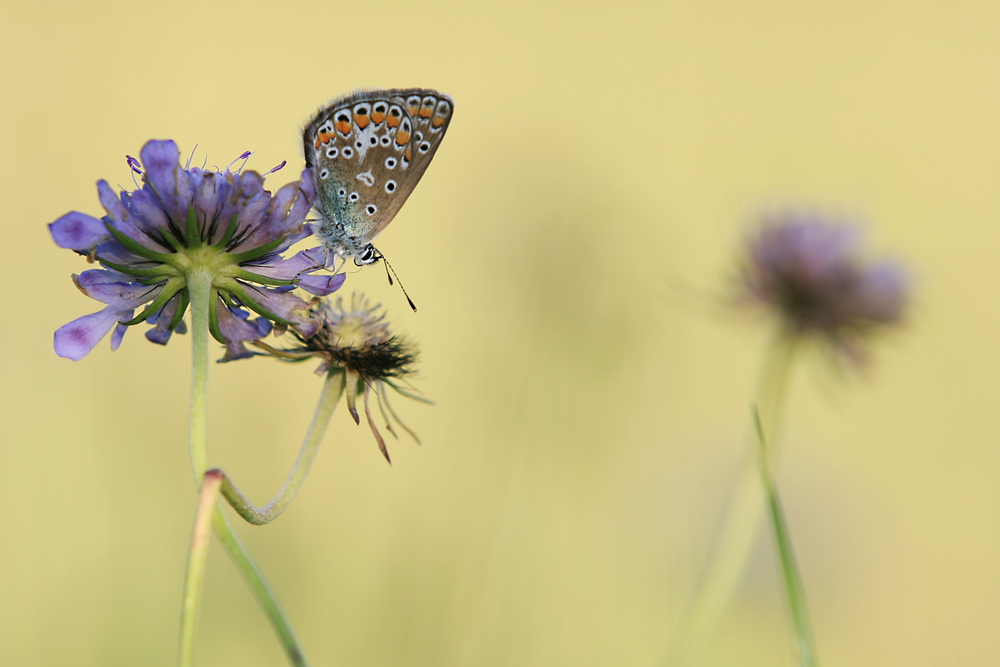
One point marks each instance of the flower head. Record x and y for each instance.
(811, 273)
(357, 341)
(185, 221)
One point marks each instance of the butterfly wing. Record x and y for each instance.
(367, 151)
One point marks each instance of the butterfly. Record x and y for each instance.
(367, 151)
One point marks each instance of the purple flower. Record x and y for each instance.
(187, 220)
(356, 341)
(811, 273)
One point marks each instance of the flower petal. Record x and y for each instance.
(283, 304)
(76, 339)
(117, 335)
(78, 231)
(322, 285)
(170, 183)
(108, 287)
(237, 328)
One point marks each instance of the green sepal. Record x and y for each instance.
(213, 317)
(156, 271)
(181, 307)
(263, 280)
(258, 252)
(174, 242)
(134, 247)
(193, 233)
(257, 308)
(227, 298)
(169, 290)
(230, 231)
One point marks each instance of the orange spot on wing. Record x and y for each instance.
(361, 120)
(425, 112)
(323, 138)
(408, 155)
(414, 110)
(402, 138)
(343, 126)
(377, 117)
(438, 121)
(393, 121)
(316, 142)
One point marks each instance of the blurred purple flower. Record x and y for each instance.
(185, 220)
(811, 273)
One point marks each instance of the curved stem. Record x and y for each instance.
(731, 551)
(195, 576)
(333, 388)
(200, 289)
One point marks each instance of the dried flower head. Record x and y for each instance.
(185, 221)
(811, 273)
(357, 341)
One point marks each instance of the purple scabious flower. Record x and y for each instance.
(356, 341)
(811, 273)
(186, 220)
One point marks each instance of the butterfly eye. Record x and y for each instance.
(367, 256)
(390, 186)
(331, 152)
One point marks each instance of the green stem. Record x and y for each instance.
(261, 590)
(333, 388)
(200, 535)
(808, 656)
(201, 291)
(734, 544)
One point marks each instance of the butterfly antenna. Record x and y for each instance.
(388, 268)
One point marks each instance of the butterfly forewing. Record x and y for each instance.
(367, 151)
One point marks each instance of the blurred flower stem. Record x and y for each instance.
(805, 641)
(202, 296)
(733, 545)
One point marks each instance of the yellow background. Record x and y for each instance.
(589, 422)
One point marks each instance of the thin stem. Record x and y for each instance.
(260, 588)
(201, 291)
(333, 388)
(806, 642)
(200, 536)
(731, 551)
